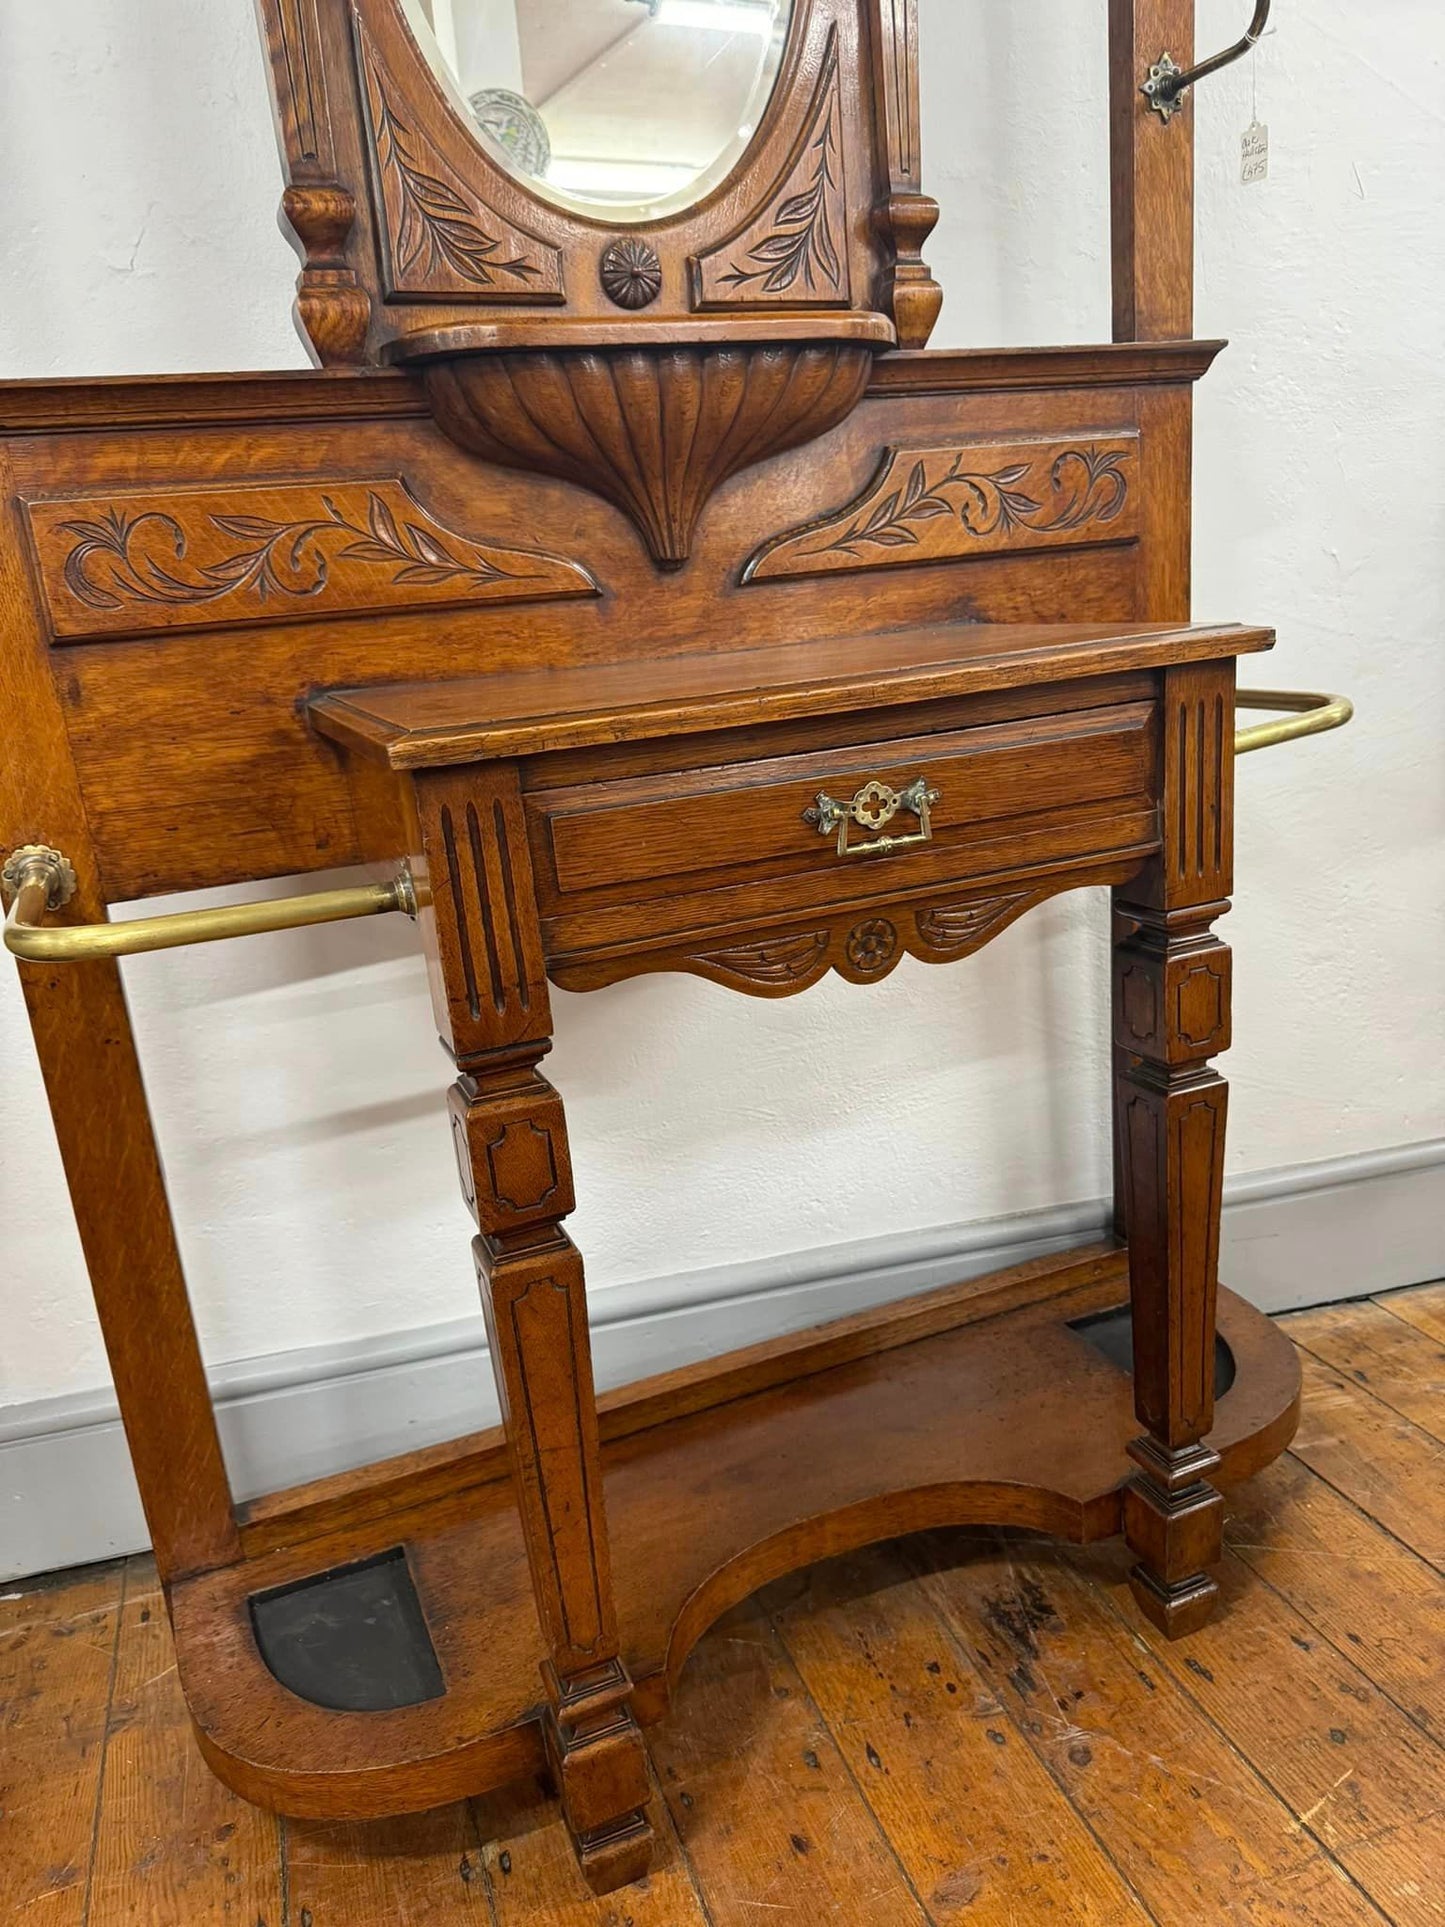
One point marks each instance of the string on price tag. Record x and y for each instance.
(1254, 142)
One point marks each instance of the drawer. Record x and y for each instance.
(647, 835)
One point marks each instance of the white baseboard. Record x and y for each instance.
(1307, 1236)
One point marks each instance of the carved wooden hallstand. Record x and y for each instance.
(653, 597)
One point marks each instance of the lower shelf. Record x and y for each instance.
(983, 1404)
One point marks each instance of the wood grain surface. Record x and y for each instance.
(968, 1730)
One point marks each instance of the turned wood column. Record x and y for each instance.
(1171, 1016)
(490, 989)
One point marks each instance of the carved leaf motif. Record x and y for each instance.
(774, 962)
(435, 225)
(285, 558)
(793, 252)
(438, 233)
(959, 928)
(949, 503)
(170, 560)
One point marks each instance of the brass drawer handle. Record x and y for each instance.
(873, 808)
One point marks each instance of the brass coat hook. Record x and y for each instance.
(1167, 82)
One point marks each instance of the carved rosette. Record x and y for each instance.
(656, 429)
(631, 272)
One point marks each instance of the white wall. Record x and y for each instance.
(297, 1086)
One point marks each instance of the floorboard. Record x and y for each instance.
(1358, 1585)
(1383, 1463)
(1352, 1768)
(57, 1657)
(1191, 1823)
(166, 1827)
(985, 1834)
(1394, 1360)
(1422, 1306)
(969, 1730)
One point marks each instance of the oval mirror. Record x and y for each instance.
(628, 109)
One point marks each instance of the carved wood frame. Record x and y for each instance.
(407, 226)
(646, 361)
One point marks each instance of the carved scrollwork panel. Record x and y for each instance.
(862, 946)
(794, 252)
(135, 564)
(948, 504)
(774, 965)
(441, 238)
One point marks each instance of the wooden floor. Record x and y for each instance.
(969, 1729)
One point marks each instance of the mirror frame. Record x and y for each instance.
(413, 237)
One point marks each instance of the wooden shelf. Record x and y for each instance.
(435, 723)
(977, 1404)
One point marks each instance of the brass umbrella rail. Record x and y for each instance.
(1310, 714)
(38, 880)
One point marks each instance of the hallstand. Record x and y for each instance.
(638, 595)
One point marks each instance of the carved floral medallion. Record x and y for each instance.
(631, 272)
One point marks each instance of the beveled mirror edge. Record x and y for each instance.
(642, 213)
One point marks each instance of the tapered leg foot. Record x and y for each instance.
(617, 1859)
(1176, 1610)
(599, 1766)
(1174, 1520)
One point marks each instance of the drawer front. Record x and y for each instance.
(649, 834)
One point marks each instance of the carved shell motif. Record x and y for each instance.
(655, 430)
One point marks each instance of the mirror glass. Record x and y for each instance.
(627, 109)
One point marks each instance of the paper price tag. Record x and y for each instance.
(1254, 153)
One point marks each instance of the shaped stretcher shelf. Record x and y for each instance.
(981, 1403)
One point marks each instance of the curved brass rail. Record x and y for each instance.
(1311, 714)
(41, 880)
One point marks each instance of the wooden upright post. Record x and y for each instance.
(1152, 173)
(1171, 1016)
(1171, 974)
(102, 1122)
